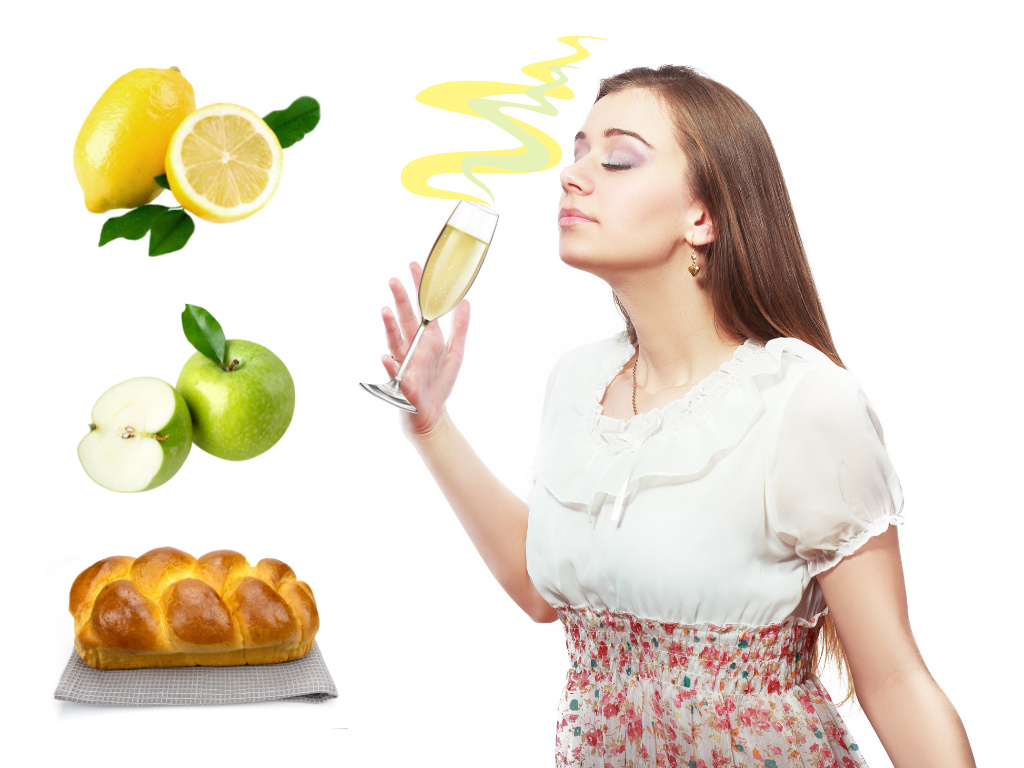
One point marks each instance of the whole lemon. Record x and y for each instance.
(122, 144)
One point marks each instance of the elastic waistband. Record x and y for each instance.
(733, 658)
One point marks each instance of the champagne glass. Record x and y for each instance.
(450, 270)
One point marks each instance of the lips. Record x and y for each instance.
(569, 216)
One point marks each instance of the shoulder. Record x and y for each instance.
(583, 371)
(589, 362)
(814, 394)
(801, 369)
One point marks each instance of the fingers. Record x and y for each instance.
(389, 365)
(417, 273)
(406, 314)
(408, 385)
(396, 344)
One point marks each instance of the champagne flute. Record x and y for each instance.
(450, 270)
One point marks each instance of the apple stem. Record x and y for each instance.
(233, 364)
(161, 438)
(93, 427)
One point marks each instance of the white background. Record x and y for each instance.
(898, 130)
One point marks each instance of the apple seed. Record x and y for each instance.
(130, 432)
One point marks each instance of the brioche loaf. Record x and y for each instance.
(168, 609)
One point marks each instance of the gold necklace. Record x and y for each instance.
(634, 383)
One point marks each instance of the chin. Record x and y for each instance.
(599, 263)
(604, 257)
(577, 256)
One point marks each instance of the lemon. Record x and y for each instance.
(123, 141)
(223, 163)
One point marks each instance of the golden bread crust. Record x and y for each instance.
(168, 609)
(198, 617)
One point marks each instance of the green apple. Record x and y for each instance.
(241, 409)
(140, 435)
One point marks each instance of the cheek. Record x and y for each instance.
(667, 198)
(651, 210)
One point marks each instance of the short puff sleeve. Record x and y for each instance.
(830, 485)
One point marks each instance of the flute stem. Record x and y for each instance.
(412, 348)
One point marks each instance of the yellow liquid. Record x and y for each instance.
(450, 270)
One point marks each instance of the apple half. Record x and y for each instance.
(140, 435)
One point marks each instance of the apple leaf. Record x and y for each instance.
(161, 181)
(131, 226)
(291, 124)
(170, 231)
(203, 332)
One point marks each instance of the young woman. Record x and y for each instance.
(713, 501)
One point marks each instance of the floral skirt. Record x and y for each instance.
(642, 692)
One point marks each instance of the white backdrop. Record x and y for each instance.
(898, 131)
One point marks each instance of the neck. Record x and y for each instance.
(675, 327)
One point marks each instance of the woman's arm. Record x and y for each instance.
(867, 598)
(493, 516)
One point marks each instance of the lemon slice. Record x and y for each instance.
(223, 163)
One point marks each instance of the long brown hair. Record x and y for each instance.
(755, 271)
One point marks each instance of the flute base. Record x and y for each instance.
(390, 393)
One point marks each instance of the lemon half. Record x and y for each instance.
(223, 163)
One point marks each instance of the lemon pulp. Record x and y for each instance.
(223, 163)
(226, 161)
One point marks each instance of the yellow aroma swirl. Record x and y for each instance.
(537, 150)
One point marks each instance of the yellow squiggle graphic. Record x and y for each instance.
(468, 97)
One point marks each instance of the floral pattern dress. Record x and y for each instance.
(643, 692)
(680, 549)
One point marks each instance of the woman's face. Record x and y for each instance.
(624, 201)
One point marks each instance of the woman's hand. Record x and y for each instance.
(494, 518)
(430, 377)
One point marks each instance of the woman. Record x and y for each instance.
(713, 503)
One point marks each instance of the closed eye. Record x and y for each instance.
(616, 166)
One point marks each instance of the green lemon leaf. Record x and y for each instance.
(169, 232)
(203, 332)
(161, 181)
(293, 123)
(131, 226)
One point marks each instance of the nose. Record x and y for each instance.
(576, 179)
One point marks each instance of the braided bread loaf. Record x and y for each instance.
(167, 609)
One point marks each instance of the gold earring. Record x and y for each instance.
(694, 269)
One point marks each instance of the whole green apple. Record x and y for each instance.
(241, 409)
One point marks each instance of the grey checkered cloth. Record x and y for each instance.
(305, 679)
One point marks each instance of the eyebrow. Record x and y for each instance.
(618, 132)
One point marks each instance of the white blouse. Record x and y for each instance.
(721, 506)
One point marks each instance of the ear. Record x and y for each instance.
(701, 230)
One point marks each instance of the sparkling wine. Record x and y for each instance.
(449, 272)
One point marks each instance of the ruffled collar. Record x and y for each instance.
(690, 406)
(584, 456)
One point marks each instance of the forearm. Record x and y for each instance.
(494, 518)
(917, 723)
